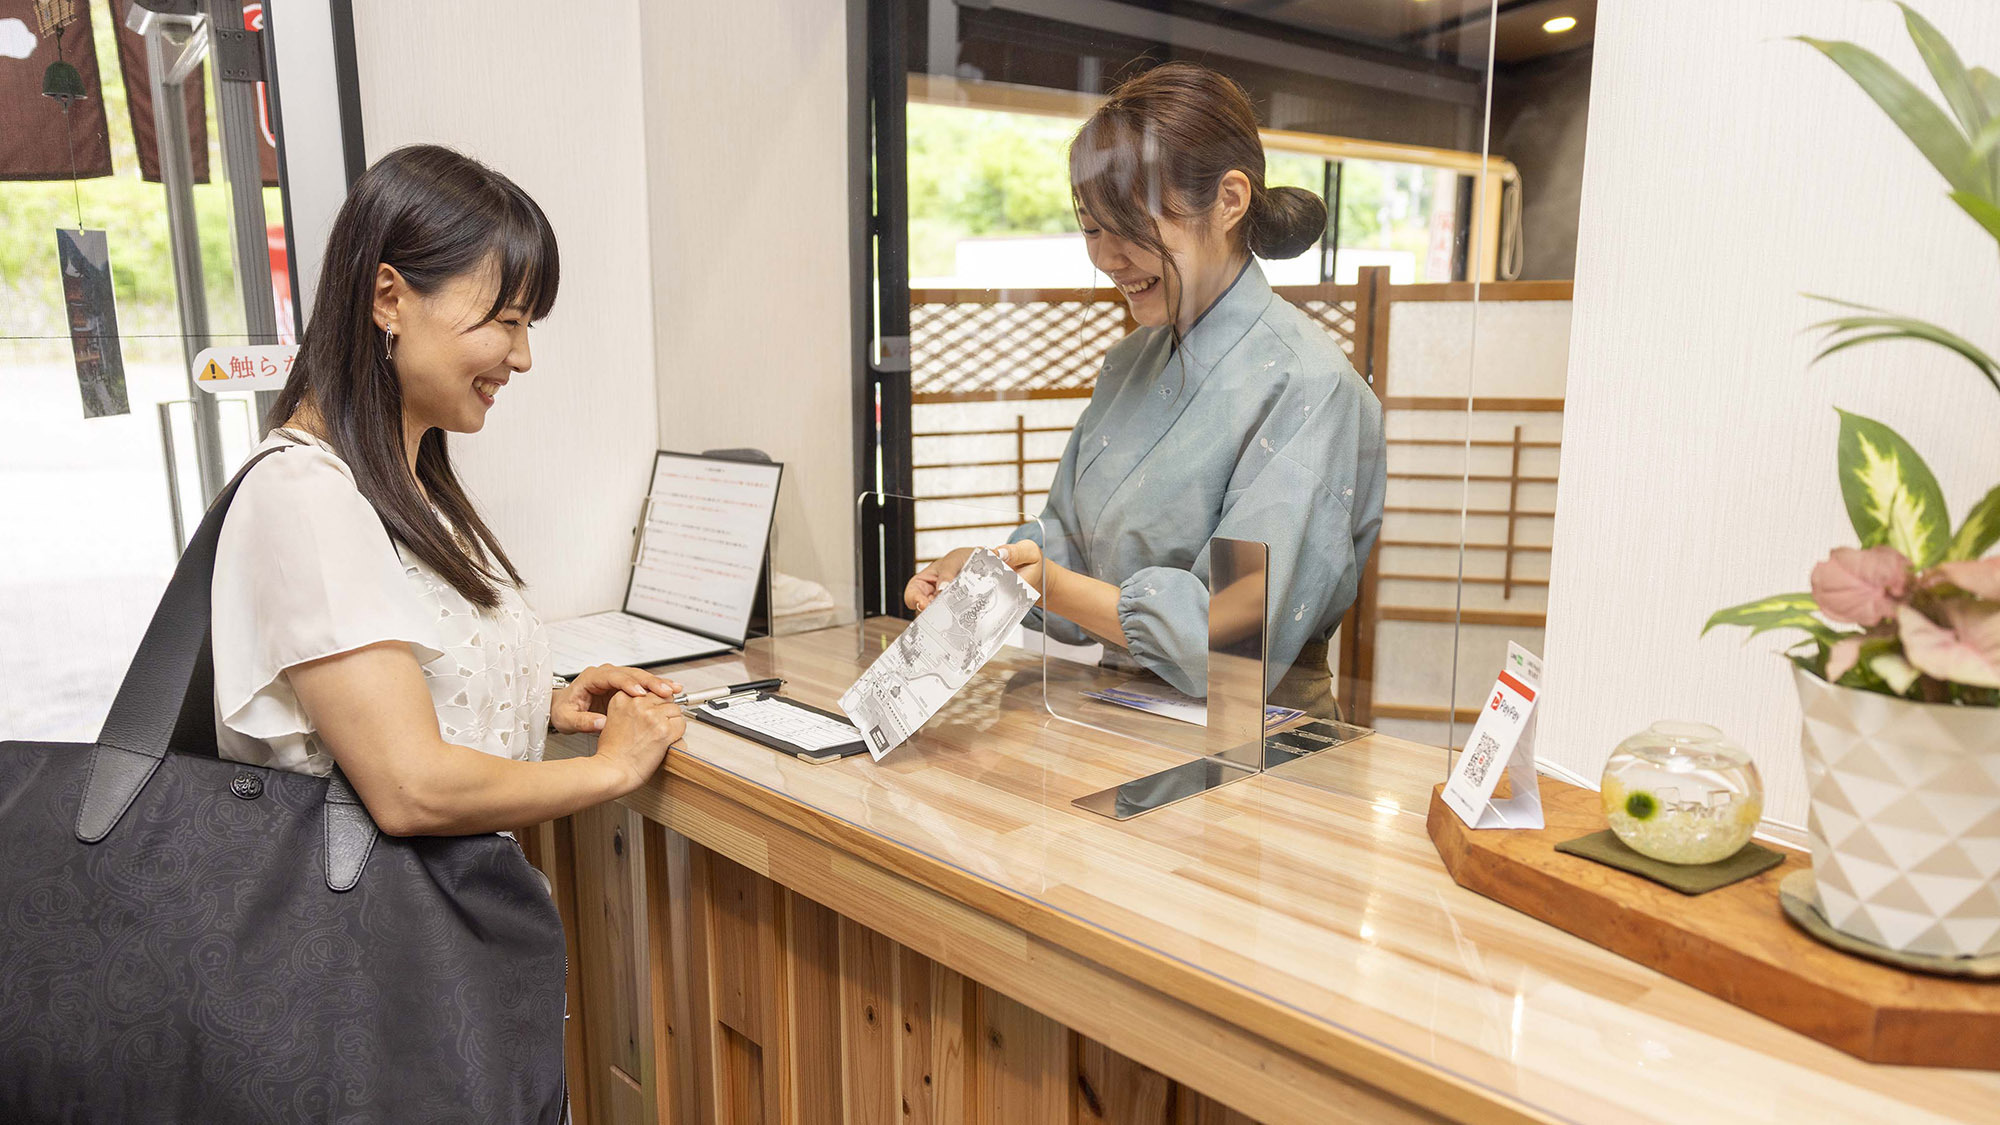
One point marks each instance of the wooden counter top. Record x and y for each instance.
(1286, 944)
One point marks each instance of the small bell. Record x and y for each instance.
(60, 81)
(64, 83)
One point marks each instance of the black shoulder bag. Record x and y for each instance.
(188, 939)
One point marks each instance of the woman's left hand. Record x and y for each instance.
(579, 708)
(1024, 557)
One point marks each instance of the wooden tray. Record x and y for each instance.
(1734, 942)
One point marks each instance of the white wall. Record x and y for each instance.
(1728, 170)
(746, 153)
(552, 99)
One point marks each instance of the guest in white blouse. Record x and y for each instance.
(364, 615)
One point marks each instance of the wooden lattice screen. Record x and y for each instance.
(968, 345)
(971, 346)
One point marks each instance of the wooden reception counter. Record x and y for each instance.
(944, 938)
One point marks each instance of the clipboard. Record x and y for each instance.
(706, 713)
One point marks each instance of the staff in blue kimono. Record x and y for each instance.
(1229, 412)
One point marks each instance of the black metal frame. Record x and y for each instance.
(347, 87)
(887, 531)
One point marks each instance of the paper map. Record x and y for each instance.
(938, 653)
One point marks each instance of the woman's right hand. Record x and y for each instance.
(925, 586)
(637, 731)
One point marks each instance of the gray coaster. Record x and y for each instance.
(1800, 898)
(1688, 878)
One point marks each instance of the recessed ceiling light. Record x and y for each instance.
(1559, 25)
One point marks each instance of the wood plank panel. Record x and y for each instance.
(867, 1049)
(932, 1002)
(1112, 1088)
(748, 966)
(610, 936)
(622, 1100)
(694, 936)
(556, 849)
(813, 1015)
(1020, 1063)
(660, 1079)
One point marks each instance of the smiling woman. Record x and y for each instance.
(1227, 413)
(364, 615)
(444, 260)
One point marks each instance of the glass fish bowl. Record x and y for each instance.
(1682, 793)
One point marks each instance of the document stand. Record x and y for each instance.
(1234, 743)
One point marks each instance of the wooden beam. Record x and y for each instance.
(1479, 405)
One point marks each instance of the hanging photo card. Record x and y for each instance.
(84, 262)
(1502, 744)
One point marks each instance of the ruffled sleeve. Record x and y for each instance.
(304, 569)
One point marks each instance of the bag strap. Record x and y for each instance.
(167, 702)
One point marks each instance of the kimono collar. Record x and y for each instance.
(1228, 320)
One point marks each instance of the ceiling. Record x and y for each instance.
(1431, 29)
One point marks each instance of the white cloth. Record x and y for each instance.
(305, 569)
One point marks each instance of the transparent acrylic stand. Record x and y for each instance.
(1235, 740)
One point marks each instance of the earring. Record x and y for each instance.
(388, 343)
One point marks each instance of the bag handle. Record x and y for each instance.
(158, 696)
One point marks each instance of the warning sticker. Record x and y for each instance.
(255, 367)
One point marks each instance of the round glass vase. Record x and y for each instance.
(1682, 793)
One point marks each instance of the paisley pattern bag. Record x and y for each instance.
(189, 939)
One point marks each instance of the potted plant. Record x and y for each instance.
(1899, 674)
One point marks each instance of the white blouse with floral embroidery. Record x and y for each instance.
(306, 570)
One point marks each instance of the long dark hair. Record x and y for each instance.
(1159, 147)
(433, 215)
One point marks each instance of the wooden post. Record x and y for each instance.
(1021, 464)
(1357, 630)
(1513, 504)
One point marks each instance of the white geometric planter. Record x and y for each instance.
(1905, 819)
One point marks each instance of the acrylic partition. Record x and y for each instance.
(1381, 111)
(956, 652)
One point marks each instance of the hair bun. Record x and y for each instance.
(1286, 223)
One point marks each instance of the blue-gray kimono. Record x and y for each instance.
(1257, 428)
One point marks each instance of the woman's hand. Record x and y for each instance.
(580, 708)
(1024, 557)
(637, 731)
(923, 589)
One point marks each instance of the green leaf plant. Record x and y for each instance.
(1961, 139)
(1914, 610)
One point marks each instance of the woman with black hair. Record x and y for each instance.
(1229, 412)
(363, 614)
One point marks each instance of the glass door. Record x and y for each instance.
(149, 226)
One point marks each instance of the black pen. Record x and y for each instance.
(690, 697)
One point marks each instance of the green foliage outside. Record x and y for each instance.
(133, 215)
(983, 172)
(977, 172)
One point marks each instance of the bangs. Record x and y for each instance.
(1114, 175)
(530, 266)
